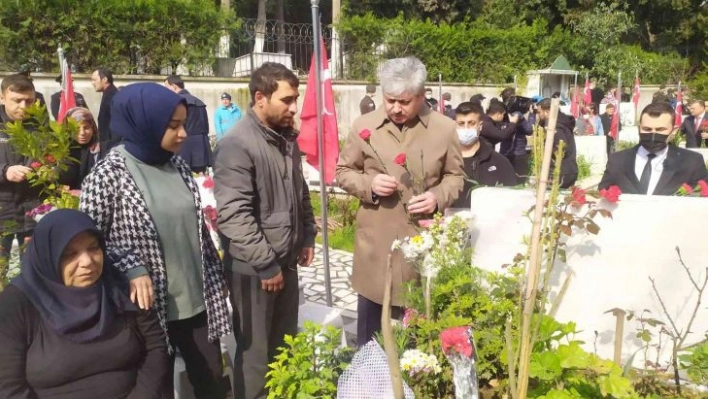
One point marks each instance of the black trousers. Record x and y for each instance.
(521, 166)
(368, 319)
(202, 358)
(261, 320)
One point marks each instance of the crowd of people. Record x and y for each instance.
(109, 294)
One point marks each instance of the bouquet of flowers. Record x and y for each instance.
(458, 346)
(418, 363)
(206, 192)
(64, 198)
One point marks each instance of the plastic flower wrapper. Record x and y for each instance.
(458, 346)
(205, 183)
(41, 211)
(368, 376)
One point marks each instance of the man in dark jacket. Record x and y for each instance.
(654, 167)
(55, 100)
(367, 103)
(564, 132)
(196, 150)
(16, 196)
(102, 81)
(483, 166)
(496, 127)
(266, 223)
(606, 119)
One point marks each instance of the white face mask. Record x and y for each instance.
(467, 136)
(586, 116)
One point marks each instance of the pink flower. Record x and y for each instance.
(208, 182)
(211, 216)
(457, 339)
(579, 196)
(50, 158)
(365, 134)
(611, 194)
(704, 188)
(687, 188)
(409, 317)
(400, 159)
(35, 165)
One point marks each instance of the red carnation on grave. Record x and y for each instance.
(704, 188)
(687, 188)
(457, 339)
(208, 182)
(579, 198)
(50, 158)
(35, 165)
(400, 159)
(365, 134)
(611, 194)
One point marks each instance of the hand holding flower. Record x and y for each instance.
(384, 185)
(423, 204)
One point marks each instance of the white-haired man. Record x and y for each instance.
(367, 170)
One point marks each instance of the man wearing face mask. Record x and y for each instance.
(483, 166)
(654, 167)
(430, 101)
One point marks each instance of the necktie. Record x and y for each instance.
(646, 175)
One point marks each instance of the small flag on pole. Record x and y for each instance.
(637, 93)
(307, 139)
(587, 96)
(574, 104)
(67, 100)
(678, 116)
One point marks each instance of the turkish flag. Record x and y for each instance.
(636, 94)
(574, 104)
(587, 96)
(67, 100)
(678, 116)
(307, 139)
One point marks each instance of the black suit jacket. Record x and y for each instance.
(56, 102)
(104, 115)
(688, 128)
(681, 166)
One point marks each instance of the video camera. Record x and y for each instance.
(518, 104)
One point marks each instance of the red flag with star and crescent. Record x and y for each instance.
(637, 93)
(67, 100)
(307, 139)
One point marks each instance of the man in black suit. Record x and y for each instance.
(55, 101)
(102, 81)
(694, 126)
(654, 167)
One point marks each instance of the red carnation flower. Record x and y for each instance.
(208, 182)
(704, 188)
(365, 134)
(687, 188)
(457, 339)
(611, 194)
(400, 159)
(579, 196)
(50, 158)
(35, 165)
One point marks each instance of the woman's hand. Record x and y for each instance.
(141, 292)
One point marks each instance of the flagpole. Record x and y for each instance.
(618, 97)
(319, 95)
(440, 103)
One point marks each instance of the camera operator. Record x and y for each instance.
(497, 126)
(514, 148)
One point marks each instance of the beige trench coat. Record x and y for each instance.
(380, 221)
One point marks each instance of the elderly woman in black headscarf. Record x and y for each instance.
(86, 150)
(67, 330)
(145, 200)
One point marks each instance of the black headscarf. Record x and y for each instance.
(79, 314)
(140, 114)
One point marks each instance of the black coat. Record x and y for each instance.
(681, 166)
(16, 199)
(693, 137)
(104, 115)
(485, 168)
(495, 132)
(196, 149)
(366, 105)
(77, 171)
(569, 164)
(607, 124)
(55, 102)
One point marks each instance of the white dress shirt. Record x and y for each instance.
(657, 166)
(697, 120)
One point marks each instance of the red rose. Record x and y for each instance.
(704, 188)
(579, 196)
(35, 165)
(365, 134)
(208, 182)
(687, 188)
(611, 194)
(400, 159)
(211, 216)
(457, 339)
(49, 159)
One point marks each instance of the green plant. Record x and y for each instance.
(624, 145)
(584, 167)
(309, 365)
(695, 361)
(341, 213)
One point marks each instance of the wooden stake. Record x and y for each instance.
(619, 333)
(389, 341)
(534, 268)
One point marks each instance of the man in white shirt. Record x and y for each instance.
(654, 167)
(695, 127)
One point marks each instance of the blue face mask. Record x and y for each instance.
(467, 136)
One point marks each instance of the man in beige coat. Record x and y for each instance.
(367, 170)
